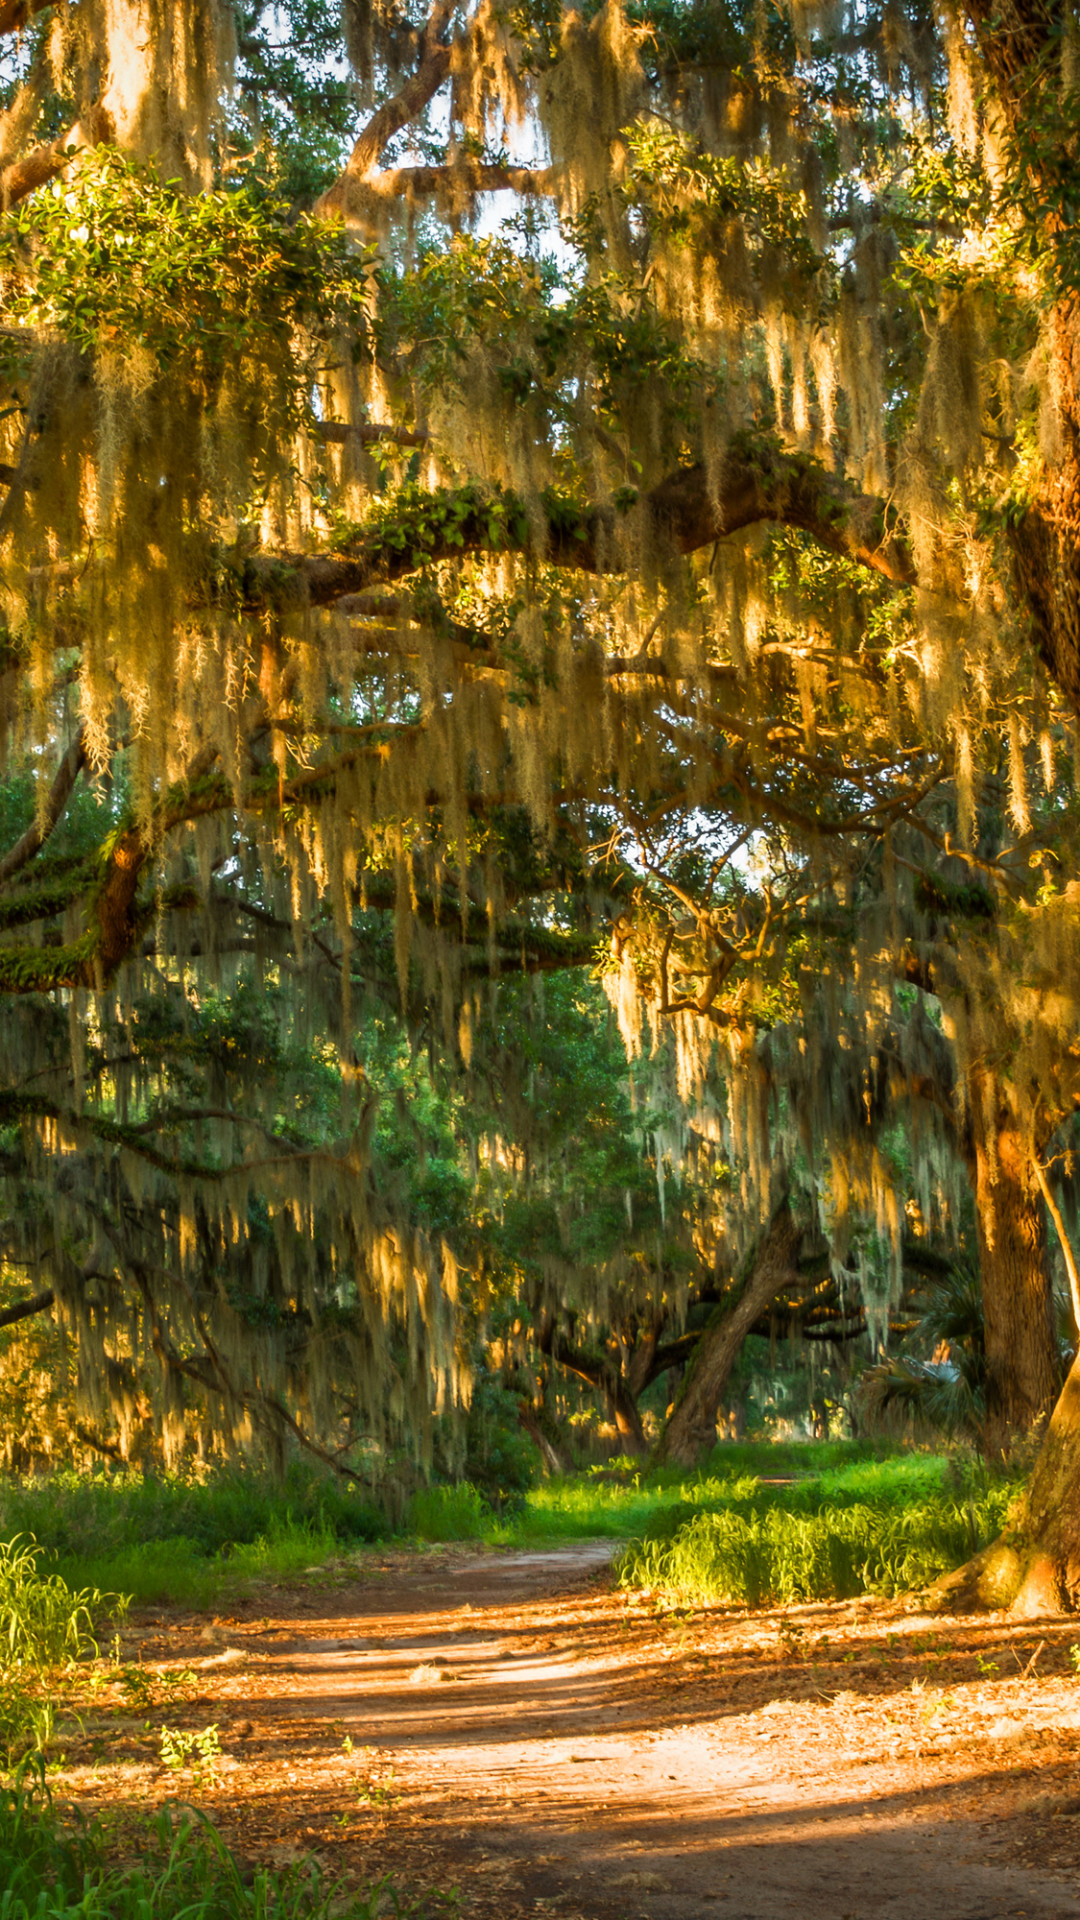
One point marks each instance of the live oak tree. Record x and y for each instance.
(358, 556)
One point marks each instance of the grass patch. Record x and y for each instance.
(170, 1537)
(50, 1870)
(449, 1513)
(629, 1504)
(174, 1539)
(766, 1458)
(44, 1626)
(879, 1528)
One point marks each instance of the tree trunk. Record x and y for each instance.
(598, 1370)
(1049, 1520)
(554, 1459)
(1022, 1372)
(1018, 39)
(692, 1426)
(623, 1410)
(1034, 1566)
(1046, 541)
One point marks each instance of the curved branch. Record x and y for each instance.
(759, 483)
(60, 792)
(23, 177)
(394, 114)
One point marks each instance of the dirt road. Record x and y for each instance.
(510, 1726)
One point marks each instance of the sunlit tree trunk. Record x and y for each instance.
(1046, 542)
(1034, 1566)
(1049, 1520)
(1023, 1374)
(1017, 41)
(691, 1428)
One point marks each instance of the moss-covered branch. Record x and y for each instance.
(760, 483)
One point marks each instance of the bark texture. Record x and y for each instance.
(1046, 542)
(1023, 1374)
(1050, 1519)
(1034, 1567)
(692, 1426)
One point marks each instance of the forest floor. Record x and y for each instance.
(509, 1726)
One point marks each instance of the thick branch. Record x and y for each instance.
(421, 87)
(338, 433)
(469, 176)
(25, 1309)
(757, 485)
(47, 162)
(36, 835)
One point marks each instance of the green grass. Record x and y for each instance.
(170, 1537)
(175, 1539)
(51, 1870)
(448, 1513)
(883, 1527)
(632, 1504)
(765, 1458)
(44, 1626)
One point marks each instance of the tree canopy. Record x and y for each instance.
(509, 489)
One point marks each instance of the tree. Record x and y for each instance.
(357, 562)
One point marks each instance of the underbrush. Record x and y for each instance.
(448, 1513)
(798, 1457)
(54, 1870)
(45, 1627)
(883, 1531)
(625, 1503)
(174, 1537)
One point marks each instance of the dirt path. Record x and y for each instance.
(510, 1726)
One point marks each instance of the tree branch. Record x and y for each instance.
(758, 484)
(421, 87)
(23, 177)
(32, 841)
(338, 432)
(25, 1309)
(463, 176)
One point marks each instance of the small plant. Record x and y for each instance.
(989, 1667)
(377, 1785)
(44, 1627)
(1074, 1657)
(137, 1686)
(199, 1751)
(43, 1624)
(143, 1687)
(378, 1789)
(51, 1869)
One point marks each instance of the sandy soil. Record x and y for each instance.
(509, 1726)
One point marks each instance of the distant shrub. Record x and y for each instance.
(162, 1537)
(448, 1513)
(111, 1510)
